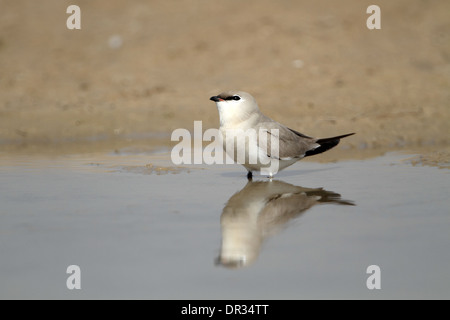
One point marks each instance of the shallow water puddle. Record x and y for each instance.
(137, 230)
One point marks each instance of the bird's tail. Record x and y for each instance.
(326, 144)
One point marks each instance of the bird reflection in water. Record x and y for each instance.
(259, 210)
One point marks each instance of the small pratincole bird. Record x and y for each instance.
(239, 114)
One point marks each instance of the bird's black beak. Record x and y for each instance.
(216, 98)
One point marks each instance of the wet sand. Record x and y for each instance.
(149, 67)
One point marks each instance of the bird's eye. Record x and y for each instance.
(236, 98)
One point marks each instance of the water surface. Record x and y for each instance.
(139, 228)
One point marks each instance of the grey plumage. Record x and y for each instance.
(239, 110)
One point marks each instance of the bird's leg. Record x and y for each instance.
(249, 175)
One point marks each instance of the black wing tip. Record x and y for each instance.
(326, 144)
(347, 135)
(325, 140)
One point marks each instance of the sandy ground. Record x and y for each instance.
(145, 67)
